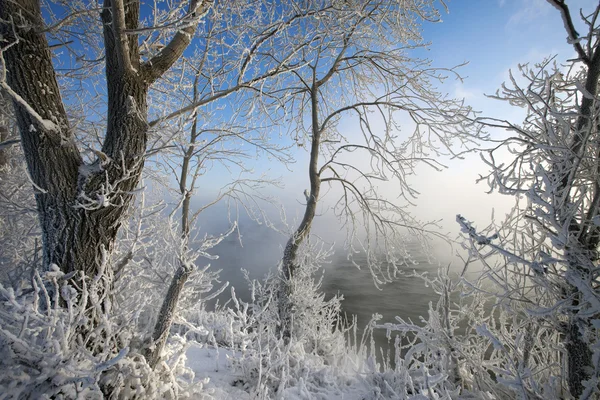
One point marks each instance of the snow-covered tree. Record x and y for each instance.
(550, 245)
(81, 205)
(368, 112)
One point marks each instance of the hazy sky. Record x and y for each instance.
(493, 36)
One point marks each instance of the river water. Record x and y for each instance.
(406, 297)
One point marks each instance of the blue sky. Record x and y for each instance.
(493, 36)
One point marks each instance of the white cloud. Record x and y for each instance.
(528, 11)
(462, 92)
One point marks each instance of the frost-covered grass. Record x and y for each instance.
(472, 344)
(464, 348)
(237, 352)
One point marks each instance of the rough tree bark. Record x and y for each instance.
(81, 206)
(52, 157)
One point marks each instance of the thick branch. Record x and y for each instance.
(118, 26)
(161, 62)
(573, 37)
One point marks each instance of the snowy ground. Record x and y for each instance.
(213, 365)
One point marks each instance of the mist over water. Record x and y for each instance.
(407, 297)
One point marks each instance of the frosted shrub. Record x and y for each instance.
(133, 378)
(527, 327)
(47, 349)
(43, 353)
(474, 343)
(425, 354)
(315, 352)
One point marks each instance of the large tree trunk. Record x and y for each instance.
(81, 206)
(582, 252)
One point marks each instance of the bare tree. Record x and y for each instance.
(200, 143)
(347, 108)
(80, 205)
(554, 163)
(233, 57)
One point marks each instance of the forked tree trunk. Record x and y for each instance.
(81, 207)
(290, 254)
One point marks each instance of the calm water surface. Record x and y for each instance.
(407, 297)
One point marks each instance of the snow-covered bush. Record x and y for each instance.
(314, 355)
(478, 341)
(42, 353)
(44, 350)
(49, 351)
